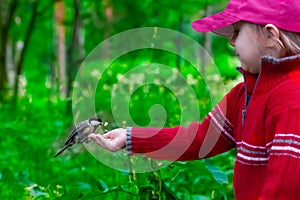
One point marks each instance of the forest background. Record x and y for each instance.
(43, 44)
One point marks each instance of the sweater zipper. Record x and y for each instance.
(243, 116)
(245, 107)
(247, 99)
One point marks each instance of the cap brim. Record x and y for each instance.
(220, 23)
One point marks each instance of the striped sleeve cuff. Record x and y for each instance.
(129, 140)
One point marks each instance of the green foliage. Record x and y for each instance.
(36, 129)
(225, 63)
(33, 130)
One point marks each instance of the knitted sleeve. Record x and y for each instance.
(283, 126)
(199, 140)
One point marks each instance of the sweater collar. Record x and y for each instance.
(273, 71)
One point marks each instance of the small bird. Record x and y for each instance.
(81, 132)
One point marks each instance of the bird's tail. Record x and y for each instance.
(62, 150)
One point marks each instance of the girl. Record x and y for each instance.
(260, 117)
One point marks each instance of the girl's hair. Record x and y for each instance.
(288, 43)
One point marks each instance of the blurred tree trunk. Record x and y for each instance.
(178, 42)
(109, 15)
(7, 11)
(20, 62)
(206, 44)
(60, 74)
(75, 53)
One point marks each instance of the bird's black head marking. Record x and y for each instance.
(95, 119)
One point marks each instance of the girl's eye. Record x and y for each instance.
(236, 32)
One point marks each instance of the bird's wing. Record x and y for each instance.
(77, 130)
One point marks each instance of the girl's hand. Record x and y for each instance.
(113, 141)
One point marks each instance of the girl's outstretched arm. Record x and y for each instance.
(214, 135)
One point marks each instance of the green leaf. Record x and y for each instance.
(9, 185)
(102, 186)
(218, 175)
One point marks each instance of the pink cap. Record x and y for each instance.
(285, 14)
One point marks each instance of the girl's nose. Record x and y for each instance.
(232, 41)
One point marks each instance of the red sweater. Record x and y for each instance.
(265, 129)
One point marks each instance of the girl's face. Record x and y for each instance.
(247, 48)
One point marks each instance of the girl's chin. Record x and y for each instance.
(245, 68)
(249, 70)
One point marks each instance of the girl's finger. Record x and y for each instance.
(107, 135)
(98, 139)
(105, 143)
